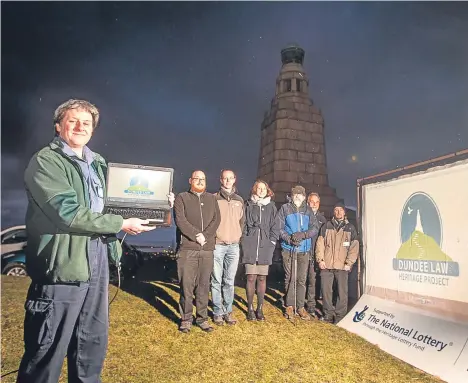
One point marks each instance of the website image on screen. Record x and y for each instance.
(141, 184)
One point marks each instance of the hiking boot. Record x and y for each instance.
(218, 320)
(327, 320)
(205, 326)
(312, 314)
(185, 326)
(230, 320)
(289, 312)
(251, 315)
(303, 314)
(259, 315)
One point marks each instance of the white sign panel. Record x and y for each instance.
(434, 345)
(415, 233)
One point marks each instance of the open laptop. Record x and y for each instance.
(137, 191)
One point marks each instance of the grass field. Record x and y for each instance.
(145, 345)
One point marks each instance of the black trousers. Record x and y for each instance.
(71, 321)
(329, 276)
(194, 269)
(301, 277)
(311, 286)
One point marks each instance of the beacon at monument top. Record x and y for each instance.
(292, 54)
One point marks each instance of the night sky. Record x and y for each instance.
(185, 85)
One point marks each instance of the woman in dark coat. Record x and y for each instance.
(259, 237)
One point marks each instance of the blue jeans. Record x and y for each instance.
(68, 321)
(226, 260)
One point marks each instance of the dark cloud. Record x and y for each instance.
(185, 85)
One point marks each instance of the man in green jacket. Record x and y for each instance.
(69, 244)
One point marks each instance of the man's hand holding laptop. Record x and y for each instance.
(170, 199)
(134, 226)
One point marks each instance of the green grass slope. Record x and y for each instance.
(145, 345)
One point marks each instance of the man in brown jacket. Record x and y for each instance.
(336, 251)
(197, 218)
(226, 253)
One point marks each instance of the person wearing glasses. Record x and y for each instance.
(70, 245)
(226, 253)
(197, 218)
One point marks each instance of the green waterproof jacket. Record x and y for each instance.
(59, 221)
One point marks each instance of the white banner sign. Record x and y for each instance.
(434, 345)
(415, 233)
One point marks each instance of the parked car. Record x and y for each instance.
(14, 263)
(13, 242)
(13, 239)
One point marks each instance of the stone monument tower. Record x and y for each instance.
(292, 148)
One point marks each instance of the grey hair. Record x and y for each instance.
(76, 104)
(313, 194)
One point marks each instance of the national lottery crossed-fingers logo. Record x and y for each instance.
(420, 257)
(360, 315)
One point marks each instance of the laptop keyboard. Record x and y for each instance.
(142, 213)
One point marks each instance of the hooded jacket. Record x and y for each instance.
(292, 219)
(261, 232)
(59, 219)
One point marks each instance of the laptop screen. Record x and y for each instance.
(136, 183)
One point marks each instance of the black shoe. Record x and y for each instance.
(259, 315)
(251, 315)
